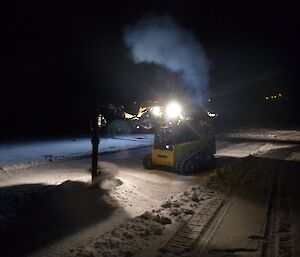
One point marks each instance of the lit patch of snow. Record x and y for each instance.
(278, 134)
(241, 143)
(126, 239)
(294, 156)
(237, 150)
(136, 236)
(268, 147)
(26, 154)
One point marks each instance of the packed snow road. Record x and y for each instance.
(235, 210)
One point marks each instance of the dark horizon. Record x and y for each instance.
(60, 60)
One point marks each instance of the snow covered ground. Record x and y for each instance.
(264, 134)
(53, 210)
(25, 154)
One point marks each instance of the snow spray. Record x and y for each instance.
(162, 41)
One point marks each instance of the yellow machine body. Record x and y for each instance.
(185, 145)
(168, 157)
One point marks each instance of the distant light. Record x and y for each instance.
(267, 98)
(279, 94)
(211, 114)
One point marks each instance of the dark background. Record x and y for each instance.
(59, 59)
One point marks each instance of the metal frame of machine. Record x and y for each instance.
(184, 141)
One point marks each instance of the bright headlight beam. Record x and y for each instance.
(173, 110)
(156, 111)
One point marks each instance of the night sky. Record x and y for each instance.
(59, 59)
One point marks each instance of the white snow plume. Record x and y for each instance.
(107, 180)
(162, 41)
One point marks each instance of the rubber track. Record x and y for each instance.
(183, 240)
(277, 232)
(187, 160)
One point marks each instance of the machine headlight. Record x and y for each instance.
(173, 110)
(156, 111)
